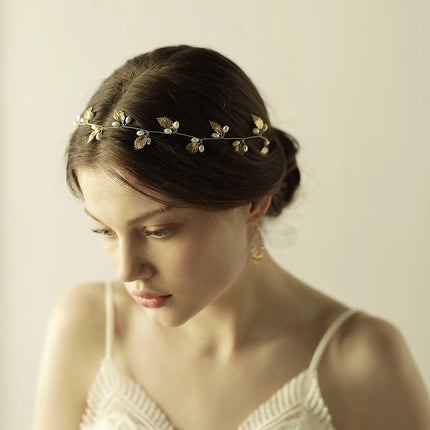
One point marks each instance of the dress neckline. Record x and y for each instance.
(296, 400)
(284, 402)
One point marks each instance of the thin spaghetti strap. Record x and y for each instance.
(109, 318)
(319, 351)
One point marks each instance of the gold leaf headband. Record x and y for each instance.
(196, 144)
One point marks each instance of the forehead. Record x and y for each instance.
(103, 192)
(111, 201)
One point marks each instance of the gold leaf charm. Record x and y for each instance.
(86, 117)
(240, 147)
(165, 122)
(257, 255)
(119, 116)
(96, 133)
(88, 114)
(193, 146)
(258, 122)
(257, 251)
(265, 148)
(217, 128)
(141, 141)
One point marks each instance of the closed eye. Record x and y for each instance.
(160, 234)
(105, 232)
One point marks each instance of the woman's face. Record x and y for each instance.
(177, 260)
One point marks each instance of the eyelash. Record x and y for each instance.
(103, 232)
(158, 234)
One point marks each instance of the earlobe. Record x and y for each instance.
(259, 208)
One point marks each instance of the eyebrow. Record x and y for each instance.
(145, 216)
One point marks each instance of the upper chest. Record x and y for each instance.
(196, 390)
(200, 392)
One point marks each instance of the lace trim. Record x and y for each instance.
(283, 405)
(288, 406)
(113, 393)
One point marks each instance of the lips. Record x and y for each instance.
(150, 300)
(145, 295)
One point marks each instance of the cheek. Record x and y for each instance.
(109, 251)
(218, 256)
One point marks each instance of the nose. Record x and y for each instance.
(133, 263)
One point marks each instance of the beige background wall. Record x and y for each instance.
(349, 78)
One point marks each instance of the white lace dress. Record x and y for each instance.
(116, 402)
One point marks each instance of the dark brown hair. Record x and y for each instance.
(191, 85)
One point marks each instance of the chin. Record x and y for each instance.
(166, 319)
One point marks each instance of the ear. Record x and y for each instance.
(259, 208)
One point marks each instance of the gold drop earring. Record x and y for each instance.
(257, 250)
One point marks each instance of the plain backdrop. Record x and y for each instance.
(348, 78)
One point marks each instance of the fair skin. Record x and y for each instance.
(243, 329)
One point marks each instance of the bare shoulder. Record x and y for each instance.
(80, 313)
(77, 300)
(371, 379)
(74, 346)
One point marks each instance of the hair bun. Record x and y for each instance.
(291, 180)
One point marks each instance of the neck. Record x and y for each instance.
(236, 319)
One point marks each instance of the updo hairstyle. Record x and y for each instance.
(190, 85)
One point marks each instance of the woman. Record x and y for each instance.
(177, 163)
